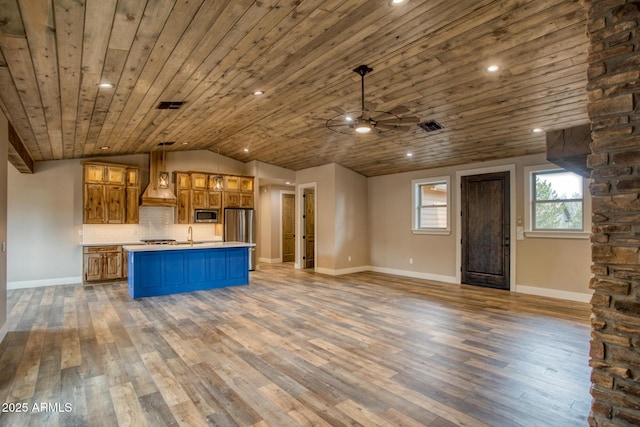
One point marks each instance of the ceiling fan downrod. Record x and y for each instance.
(362, 70)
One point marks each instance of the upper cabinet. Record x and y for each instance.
(198, 190)
(110, 193)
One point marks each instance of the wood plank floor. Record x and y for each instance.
(295, 348)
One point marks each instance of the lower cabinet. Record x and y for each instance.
(103, 263)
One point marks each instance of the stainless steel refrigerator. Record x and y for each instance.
(240, 226)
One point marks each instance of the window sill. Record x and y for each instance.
(558, 234)
(434, 231)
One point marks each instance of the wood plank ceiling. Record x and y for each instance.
(429, 56)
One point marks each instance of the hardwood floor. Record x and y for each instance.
(295, 348)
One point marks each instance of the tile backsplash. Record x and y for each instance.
(155, 222)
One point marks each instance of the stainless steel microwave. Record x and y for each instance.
(206, 215)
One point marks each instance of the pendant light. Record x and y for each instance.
(163, 175)
(218, 180)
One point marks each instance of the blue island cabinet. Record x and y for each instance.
(159, 272)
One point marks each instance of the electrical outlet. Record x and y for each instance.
(349, 259)
(410, 260)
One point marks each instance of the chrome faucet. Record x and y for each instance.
(190, 231)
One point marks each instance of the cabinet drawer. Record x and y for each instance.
(102, 249)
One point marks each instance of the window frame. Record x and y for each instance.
(415, 200)
(529, 192)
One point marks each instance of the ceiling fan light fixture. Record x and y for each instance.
(363, 127)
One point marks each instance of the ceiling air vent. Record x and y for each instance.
(170, 105)
(431, 126)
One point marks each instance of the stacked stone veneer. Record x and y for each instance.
(614, 95)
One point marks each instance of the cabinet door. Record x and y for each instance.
(115, 175)
(231, 200)
(94, 173)
(115, 204)
(182, 181)
(246, 200)
(92, 267)
(232, 183)
(125, 265)
(133, 177)
(199, 181)
(215, 199)
(94, 204)
(183, 210)
(112, 265)
(246, 185)
(198, 199)
(131, 211)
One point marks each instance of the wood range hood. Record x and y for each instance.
(154, 195)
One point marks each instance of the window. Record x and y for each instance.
(556, 203)
(431, 206)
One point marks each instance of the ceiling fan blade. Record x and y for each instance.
(386, 127)
(399, 110)
(400, 120)
(371, 106)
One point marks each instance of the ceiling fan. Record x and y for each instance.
(367, 120)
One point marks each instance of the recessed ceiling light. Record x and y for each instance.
(246, 150)
(258, 92)
(397, 2)
(106, 85)
(104, 148)
(538, 130)
(492, 68)
(185, 143)
(409, 154)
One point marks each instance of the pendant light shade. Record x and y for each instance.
(163, 175)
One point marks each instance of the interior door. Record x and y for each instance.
(288, 228)
(485, 230)
(309, 238)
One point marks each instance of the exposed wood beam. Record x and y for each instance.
(19, 156)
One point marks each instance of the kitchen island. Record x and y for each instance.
(169, 269)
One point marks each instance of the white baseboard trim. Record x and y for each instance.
(270, 260)
(415, 274)
(554, 293)
(342, 271)
(46, 282)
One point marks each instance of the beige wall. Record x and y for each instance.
(341, 217)
(351, 220)
(546, 266)
(324, 179)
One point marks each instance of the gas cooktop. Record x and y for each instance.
(159, 241)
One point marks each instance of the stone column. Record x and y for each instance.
(613, 95)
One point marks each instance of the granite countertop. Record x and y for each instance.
(187, 246)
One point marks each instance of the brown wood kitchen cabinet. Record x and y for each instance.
(183, 194)
(110, 193)
(103, 263)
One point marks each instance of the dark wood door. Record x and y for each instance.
(309, 237)
(288, 228)
(485, 230)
